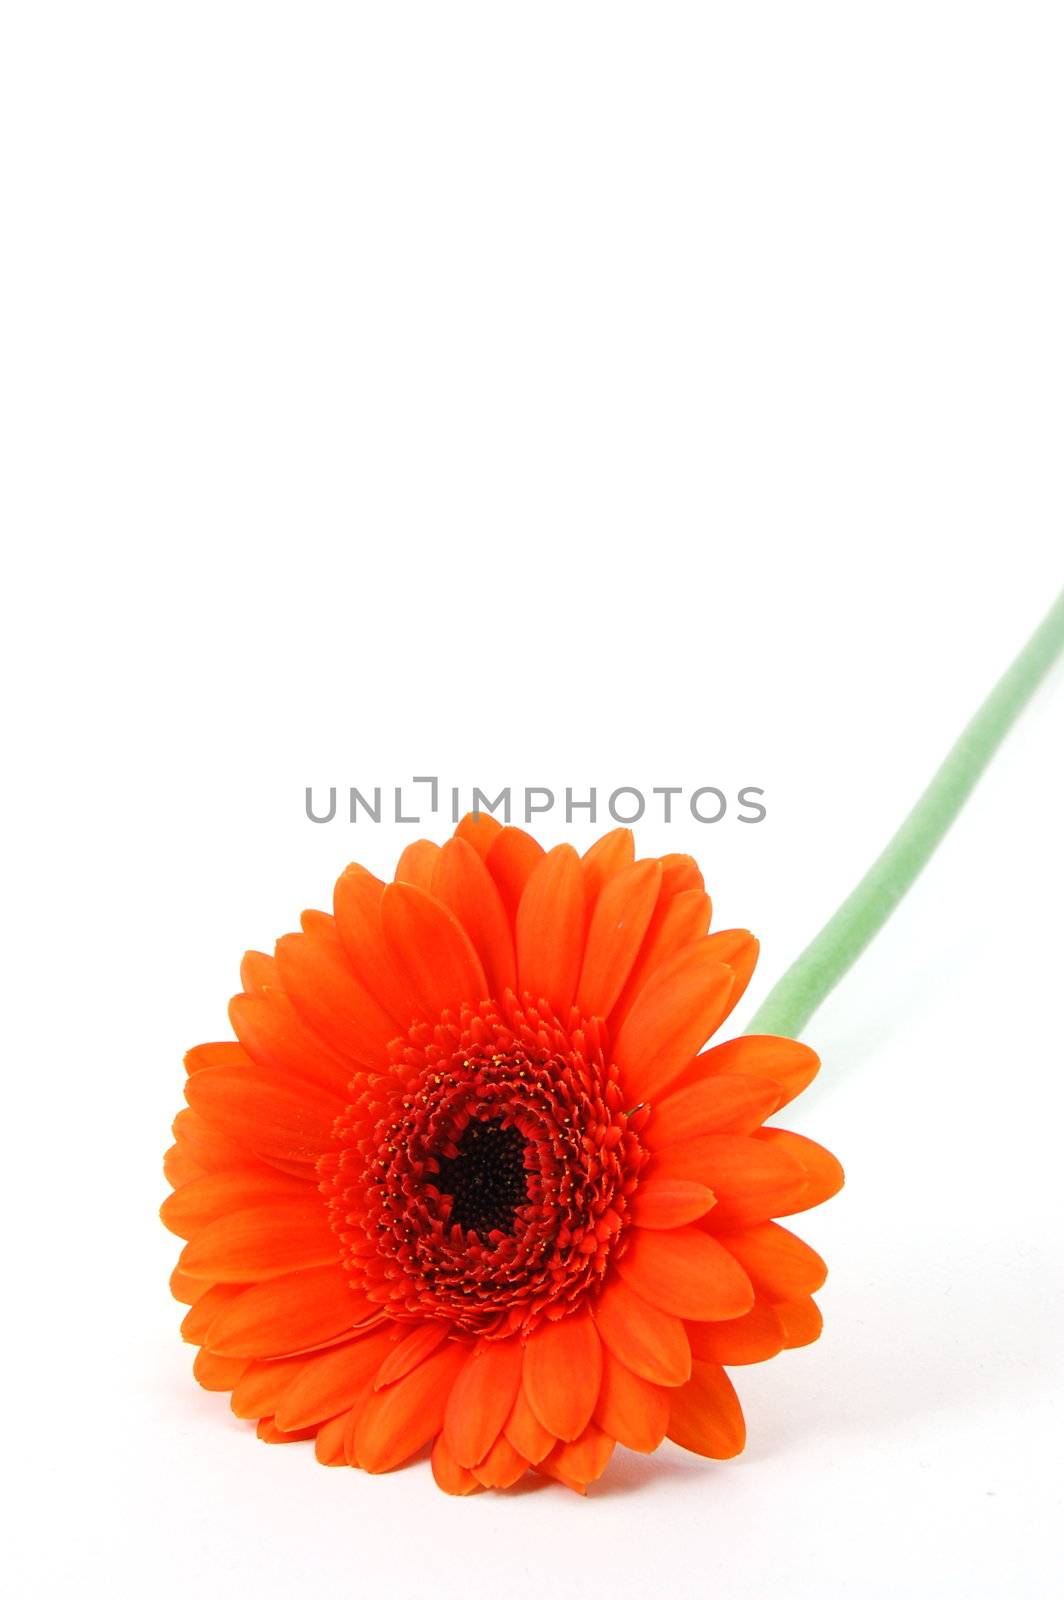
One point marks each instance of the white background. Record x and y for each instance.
(566, 393)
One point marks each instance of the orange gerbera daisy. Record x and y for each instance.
(463, 1181)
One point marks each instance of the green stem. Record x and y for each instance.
(836, 947)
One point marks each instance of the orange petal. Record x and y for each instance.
(675, 1013)
(330, 1382)
(270, 1433)
(287, 1315)
(738, 949)
(464, 884)
(687, 1273)
(217, 1194)
(618, 924)
(215, 1372)
(410, 1352)
(705, 1415)
(580, 1462)
(211, 1149)
(319, 981)
(274, 1117)
(802, 1322)
(502, 1466)
(352, 1419)
(731, 1104)
(222, 1053)
(202, 1314)
(480, 831)
(751, 1180)
(787, 1063)
(431, 949)
(401, 1418)
(329, 1443)
(482, 1399)
(650, 1342)
(562, 1373)
(357, 906)
(258, 971)
(450, 1477)
(417, 864)
(823, 1174)
(678, 921)
(604, 860)
(512, 856)
(550, 929)
(186, 1290)
(546, 1469)
(525, 1431)
(277, 1039)
(179, 1168)
(779, 1264)
(756, 1337)
(264, 1241)
(263, 1385)
(629, 1409)
(680, 873)
(670, 1202)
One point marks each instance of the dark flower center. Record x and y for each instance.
(486, 1179)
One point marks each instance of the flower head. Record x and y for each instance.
(464, 1181)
